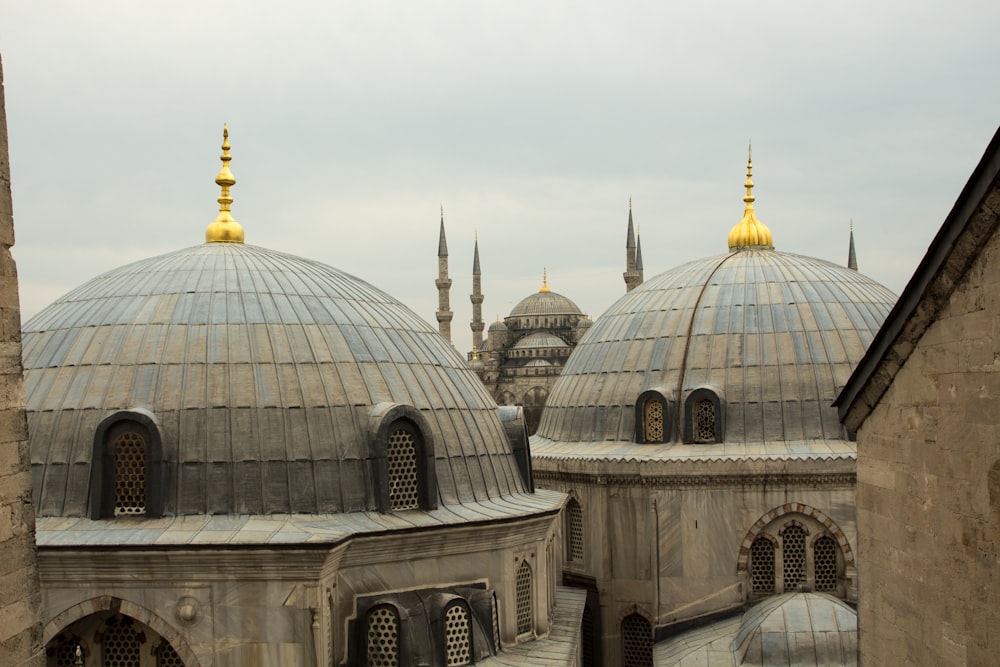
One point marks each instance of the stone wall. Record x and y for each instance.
(20, 600)
(929, 490)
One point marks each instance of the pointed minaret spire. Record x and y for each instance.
(638, 253)
(224, 229)
(476, 297)
(632, 274)
(852, 259)
(443, 283)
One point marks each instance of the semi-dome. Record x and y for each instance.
(541, 340)
(260, 383)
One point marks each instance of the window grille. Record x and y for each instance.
(704, 421)
(496, 625)
(794, 547)
(637, 642)
(458, 645)
(402, 463)
(121, 644)
(167, 656)
(522, 586)
(130, 473)
(66, 653)
(653, 420)
(383, 638)
(762, 566)
(825, 563)
(574, 517)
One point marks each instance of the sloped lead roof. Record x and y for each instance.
(545, 303)
(776, 333)
(262, 369)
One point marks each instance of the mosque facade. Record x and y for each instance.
(242, 457)
(706, 470)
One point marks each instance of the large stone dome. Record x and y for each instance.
(768, 336)
(545, 303)
(265, 377)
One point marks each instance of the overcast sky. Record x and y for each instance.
(531, 122)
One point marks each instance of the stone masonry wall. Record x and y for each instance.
(20, 599)
(929, 491)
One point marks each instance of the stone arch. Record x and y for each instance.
(82, 610)
(793, 508)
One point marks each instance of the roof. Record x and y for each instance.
(773, 334)
(263, 371)
(540, 339)
(969, 225)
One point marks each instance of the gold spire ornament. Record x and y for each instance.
(224, 229)
(545, 282)
(750, 233)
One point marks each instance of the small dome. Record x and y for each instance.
(540, 339)
(773, 335)
(263, 372)
(498, 326)
(798, 629)
(537, 363)
(545, 303)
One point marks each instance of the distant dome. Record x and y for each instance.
(497, 326)
(771, 335)
(537, 363)
(585, 323)
(263, 371)
(545, 303)
(540, 339)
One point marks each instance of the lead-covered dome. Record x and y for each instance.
(264, 376)
(767, 337)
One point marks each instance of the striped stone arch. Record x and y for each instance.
(792, 508)
(86, 608)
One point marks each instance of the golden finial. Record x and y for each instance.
(630, 202)
(852, 224)
(750, 233)
(224, 229)
(442, 211)
(475, 351)
(545, 281)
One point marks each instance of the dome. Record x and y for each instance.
(497, 326)
(265, 376)
(769, 336)
(545, 303)
(798, 629)
(540, 339)
(538, 363)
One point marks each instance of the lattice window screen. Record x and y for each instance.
(704, 421)
(121, 644)
(762, 566)
(65, 654)
(793, 545)
(574, 519)
(130, 473)
(383, 638)
(637, 642)
(167, 657)
(522, 586)
(402, 463)
(825, 563)
(458, 644)
(653, 420)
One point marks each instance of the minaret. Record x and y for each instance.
(476, 298)
(224, 229)
(638, 254)
(444, 285)
(631, 275)
(852, 259)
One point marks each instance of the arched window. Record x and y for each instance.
(522, 589)
(762, 566)
(401, 458)
(382, 637)
(127, 475)
(652, 417)
(67, 653)
(704, 418)
(166, 656)
(793, 548)
(574, 530)
(637, 641)
(825, 563)
(403, 453)
(457, 636)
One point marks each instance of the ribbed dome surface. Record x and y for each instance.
(775, 333)
(540, 339)
(545, 303)
(262, 370)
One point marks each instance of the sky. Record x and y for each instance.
(531, 123)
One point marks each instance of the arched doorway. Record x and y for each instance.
(110, 638)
